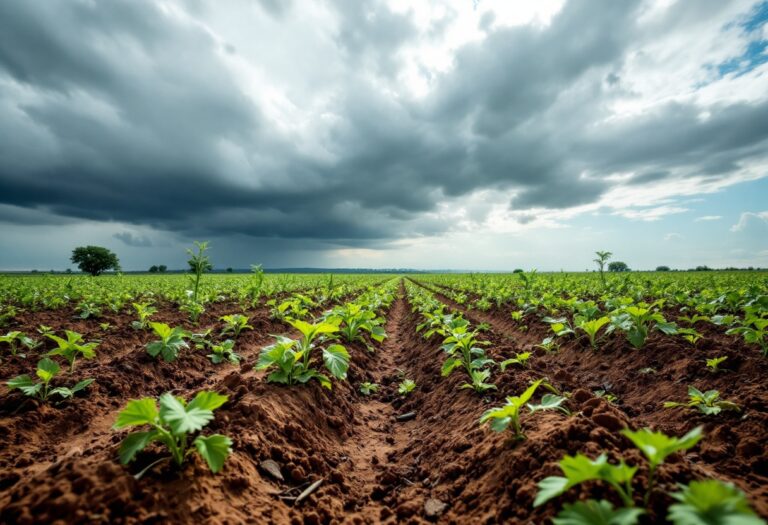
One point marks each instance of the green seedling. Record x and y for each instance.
(520, 358)
(172, 341)
(508, 414)
(406, 386)
(234, 324)
(591, 327)
(579, 469)
(711, 502)
(714, 363)
(368, 388)
(754, 330)
(354, 320)
(708, 403)
(656, 447)
(145, 311)
(173, 424)
(293, 358)
(479, 381)
(72, 347)
(223, 351)
(47, 369)
(12, 339)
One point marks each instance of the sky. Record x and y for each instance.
(477, 135)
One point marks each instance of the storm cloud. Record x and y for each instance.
(335, 124)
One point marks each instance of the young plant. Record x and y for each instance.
(520, 358)
(13, 338)
(579, 469)
(591, 327)
(560, 326)
(47, 369)
(711, 501)
(198, 264)
(708, 403)
(144, 311)
(602, 258)
(172, 341)
(292, 357)
(173, 425)
(714, 363)
(509, 414)
(234, 324)
(72, 347)
(406, 386)
(754, 330)
(256, 284)
(462, 348)
(638, 322)
(354, 320)
(87, 310)
(368, 388)
(548, 345)
(44, 330)
(224, 352)
(656, 446)
(479, 380)
(193, 309)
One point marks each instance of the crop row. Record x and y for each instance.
(693, 503)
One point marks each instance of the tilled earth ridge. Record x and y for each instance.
(59, 463)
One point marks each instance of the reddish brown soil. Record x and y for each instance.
(58, 463)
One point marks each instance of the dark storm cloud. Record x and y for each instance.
(137, 241)
(123, 111)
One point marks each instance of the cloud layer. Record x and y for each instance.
(358, 123)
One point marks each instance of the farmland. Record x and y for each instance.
(451, 398)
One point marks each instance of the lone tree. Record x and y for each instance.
(662, 268)
(618, 266)
(94, 259)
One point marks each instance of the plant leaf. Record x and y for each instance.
(207, 400)
(214, 449)
(181, 419)
(336, 359)
(137, 412)
(593, 512)
(135, 443)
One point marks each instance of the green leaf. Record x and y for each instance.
(336, 359)
(711, 502)
(580, 468)
(47, 369)
(207, 400)
(135, 443)
(137, 412)
(25, 384)
(214, 449)
(181, 419)
(61, 391)
(550, 487)
(593, 512)
(549, 402)
(378, 334)
(161, 329)
(81, 385)
(449, 366)
(656, 446)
